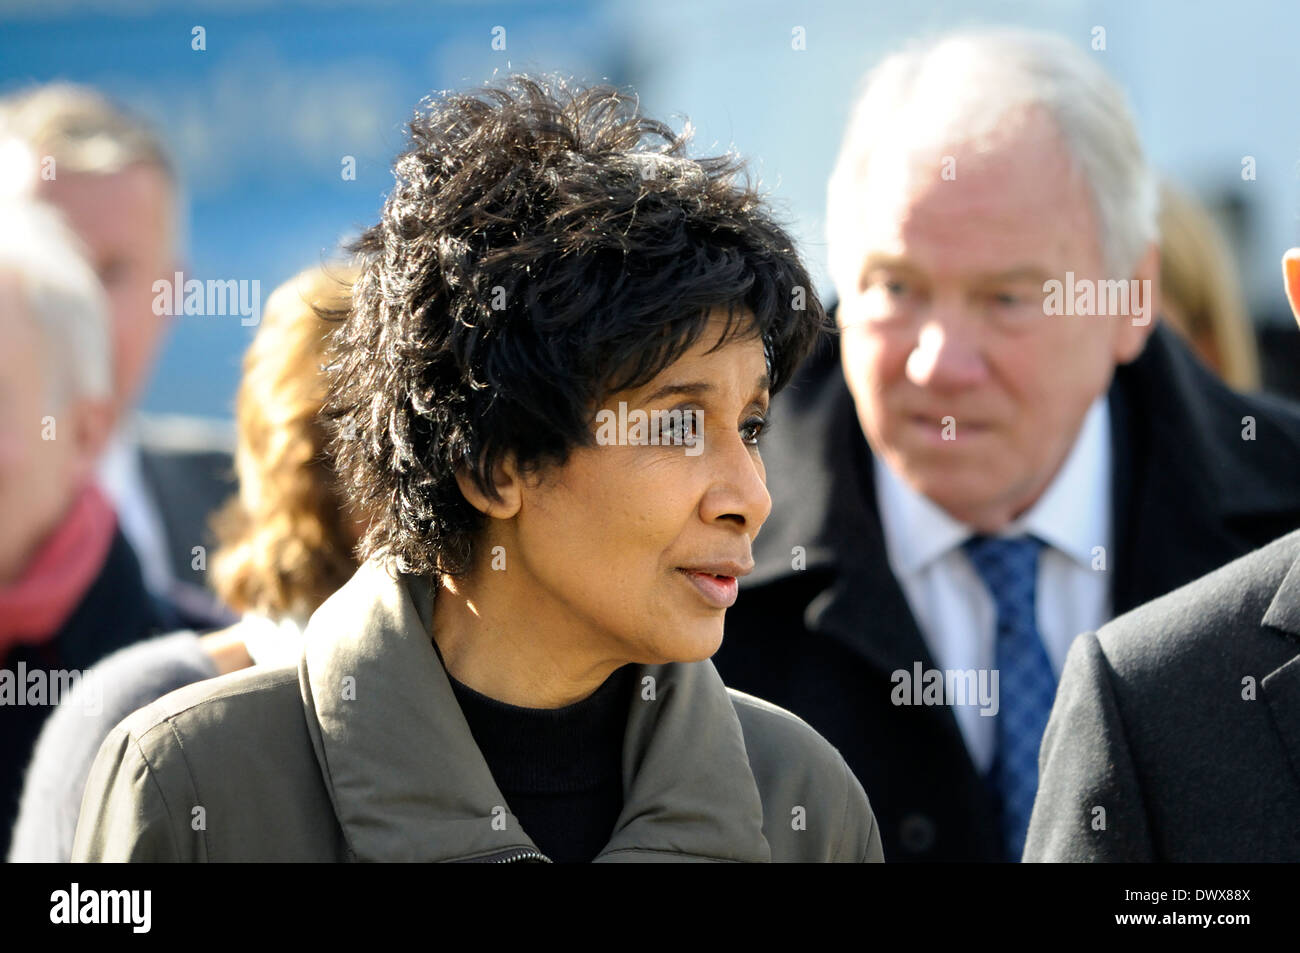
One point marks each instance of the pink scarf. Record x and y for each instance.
(35, 607)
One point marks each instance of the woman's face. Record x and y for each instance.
(633, 549)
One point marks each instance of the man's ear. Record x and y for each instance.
(506, 481)
(1144, 308)
(1291, 278)
(92, 425)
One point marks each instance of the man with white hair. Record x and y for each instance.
(109, 174)
(1007, 449)
(71, 590)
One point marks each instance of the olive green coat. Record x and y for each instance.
(361, 753)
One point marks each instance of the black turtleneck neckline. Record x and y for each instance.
(559, 769)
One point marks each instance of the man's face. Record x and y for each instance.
(47, 450)
(125, 221)
(962, 384)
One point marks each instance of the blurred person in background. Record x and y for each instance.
(1176, 730)
(520, 670)
(1200, 293)
(981, 473)
(110, 175)
(283, 545)
(71, 590)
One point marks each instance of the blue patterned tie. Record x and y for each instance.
(1026, 684)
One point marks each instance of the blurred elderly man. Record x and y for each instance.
(70, 587)
(108, 173)
(1007, 449)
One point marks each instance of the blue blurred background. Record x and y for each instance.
(260, 121)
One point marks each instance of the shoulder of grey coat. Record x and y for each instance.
(1163, 743)
(210, 768)
(108, 692)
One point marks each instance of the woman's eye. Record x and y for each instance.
(679, 427)
(752, 429)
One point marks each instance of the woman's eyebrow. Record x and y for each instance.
(692, 388)
(695, 388)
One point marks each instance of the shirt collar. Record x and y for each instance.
(118, 467)
(1072, 515)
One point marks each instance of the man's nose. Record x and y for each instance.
(947, 356)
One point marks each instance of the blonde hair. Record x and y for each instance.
(282, 548)
(1198, 278)
(82, 130)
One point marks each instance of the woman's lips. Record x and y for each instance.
(718, 591)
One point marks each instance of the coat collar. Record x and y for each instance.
(1281, 687)
(408, 782)
(825, 516)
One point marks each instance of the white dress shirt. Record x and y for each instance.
(122, 479)
(952, 606)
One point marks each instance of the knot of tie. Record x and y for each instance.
(1008, 567)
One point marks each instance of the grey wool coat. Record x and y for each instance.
(1176, 730)
(360, 752)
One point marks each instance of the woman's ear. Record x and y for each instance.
(505, 480)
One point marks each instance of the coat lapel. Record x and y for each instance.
(828, 515)
(1281, 687)
(408, 782)
(686, 776)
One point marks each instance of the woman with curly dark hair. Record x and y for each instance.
(549, 396)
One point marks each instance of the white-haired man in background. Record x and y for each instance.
(71, 590)
(110, 176)
(1006, 449)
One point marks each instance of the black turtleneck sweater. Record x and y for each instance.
(560, 769)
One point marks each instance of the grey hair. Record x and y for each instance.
(960, 85)
(62, 297)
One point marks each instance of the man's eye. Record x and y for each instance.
(888, 285)
(113, 272)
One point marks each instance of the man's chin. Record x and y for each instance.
(963, 490)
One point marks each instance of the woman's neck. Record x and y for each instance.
(502, 644)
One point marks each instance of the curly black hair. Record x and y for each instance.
(545, 246)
